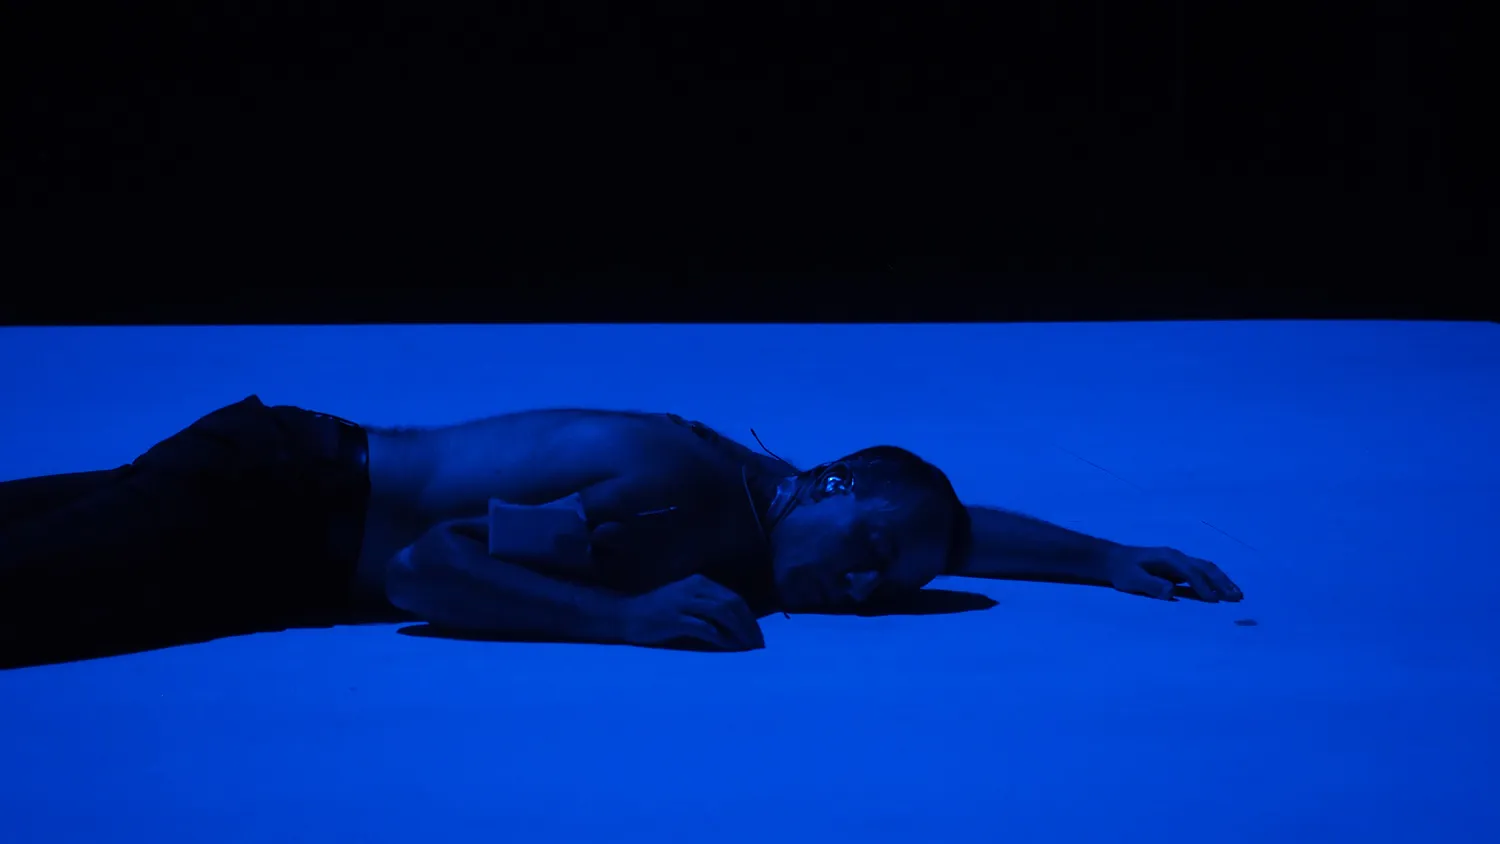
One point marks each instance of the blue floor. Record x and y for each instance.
(1344, 474)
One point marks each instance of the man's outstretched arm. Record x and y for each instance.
(1011, 546)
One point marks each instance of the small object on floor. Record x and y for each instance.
(1247, 622)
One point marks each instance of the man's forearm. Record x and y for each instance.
(1012, 546)
(448, 579)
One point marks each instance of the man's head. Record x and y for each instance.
(881, 521)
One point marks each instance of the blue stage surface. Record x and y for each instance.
(1346, 475)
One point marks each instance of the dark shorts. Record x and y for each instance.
(249, 518)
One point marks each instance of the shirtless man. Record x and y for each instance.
(574, 525)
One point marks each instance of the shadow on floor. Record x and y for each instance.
(31, 645)
(38, 644)
(926, 602)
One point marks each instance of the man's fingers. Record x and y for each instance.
(1161, 569)
(1198, 580)
(738, 618)
(1207, 580)
(1221, 582)
(1151, 586)
(1185, 570)
(726, 608)
(1180, 568)
(733, 617)
(703, 631)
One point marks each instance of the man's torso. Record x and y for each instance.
(689, 510)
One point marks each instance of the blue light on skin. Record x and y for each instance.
(827, 549)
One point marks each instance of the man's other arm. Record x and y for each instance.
(448, 579)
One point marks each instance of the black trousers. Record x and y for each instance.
(249, 518)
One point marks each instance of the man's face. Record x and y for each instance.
(834, 550)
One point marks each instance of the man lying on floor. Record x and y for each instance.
(578, 525)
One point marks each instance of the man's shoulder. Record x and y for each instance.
(633, 443)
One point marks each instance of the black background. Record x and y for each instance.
(1031, 160)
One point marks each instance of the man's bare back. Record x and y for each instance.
(621, 464)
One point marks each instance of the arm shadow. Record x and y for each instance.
(1180, 592)
(925, 602)
(426, 630)
(36, 645)
(49, 645)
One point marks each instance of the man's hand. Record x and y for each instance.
(693, 609)
(1155, 572)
